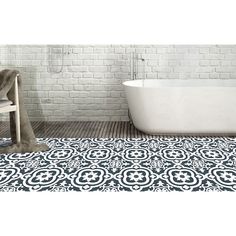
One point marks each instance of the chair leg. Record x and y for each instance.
(18, 136)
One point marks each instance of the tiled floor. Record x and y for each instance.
(81, 129)
(89, 129)
(123, 164)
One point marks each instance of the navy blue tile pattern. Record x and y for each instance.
(132, 164)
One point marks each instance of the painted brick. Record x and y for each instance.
(78, 68)
(78, 94)
(89, 84)
(58, 94)
(98, 68)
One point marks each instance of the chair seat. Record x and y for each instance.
(9, 106)
(4, 103)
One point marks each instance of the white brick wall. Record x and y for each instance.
(84, 82)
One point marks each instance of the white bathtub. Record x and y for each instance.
(172, 106)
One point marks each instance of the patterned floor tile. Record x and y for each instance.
(116, 164)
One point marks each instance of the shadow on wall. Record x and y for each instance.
(118, 59)
(59, 105)
(16, 58)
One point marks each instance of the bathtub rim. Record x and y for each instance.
(180, 83)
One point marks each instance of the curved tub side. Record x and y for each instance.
(183, 110)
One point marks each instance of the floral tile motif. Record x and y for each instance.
(112, 164)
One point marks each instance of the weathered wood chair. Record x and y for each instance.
(8, 106)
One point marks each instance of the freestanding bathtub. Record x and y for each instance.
(175, 106)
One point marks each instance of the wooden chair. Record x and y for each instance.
(8, 106)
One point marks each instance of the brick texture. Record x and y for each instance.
(84, 82)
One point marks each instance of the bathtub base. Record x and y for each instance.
(180, 134)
